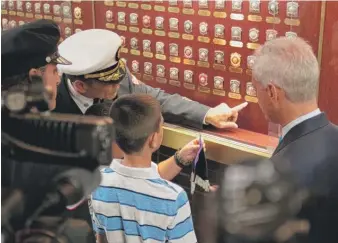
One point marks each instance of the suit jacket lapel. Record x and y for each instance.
(302, 129)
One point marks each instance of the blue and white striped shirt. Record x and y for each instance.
(136, 205)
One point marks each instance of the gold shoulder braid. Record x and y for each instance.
(115, 74)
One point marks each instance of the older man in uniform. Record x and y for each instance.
(98, 72)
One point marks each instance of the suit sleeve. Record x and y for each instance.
(175, 108)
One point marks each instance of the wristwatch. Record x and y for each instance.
(179, 161)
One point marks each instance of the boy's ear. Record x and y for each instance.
(152, 141)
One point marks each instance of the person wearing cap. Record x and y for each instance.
(98, 72)
(32, 50)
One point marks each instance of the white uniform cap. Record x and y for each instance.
(90, 51)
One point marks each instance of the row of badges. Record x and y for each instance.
(292, 7)
(188, 77)
(63, 9)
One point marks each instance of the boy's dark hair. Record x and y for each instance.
(136, 117)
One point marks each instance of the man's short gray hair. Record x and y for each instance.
(289, 64)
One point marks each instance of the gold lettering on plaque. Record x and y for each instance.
(189, 62)
(251, 99)
(21, 14)
(219, 67)
(204, 12)
(109, 3)
(173, 10)
(255, 18)
(252, 46)
(39, 16)
(134, 29)
(57, 19)
(148, 54)
(174, 35)
(161, 80)
(187, 37)
(188, 11)
(159, 8)
(4, 12)
(160, 57)
(29, 15)
(135, 52)
(175, 83)
(146, 6)
(204, 39)
(147, 31)
(175, 59)
(235, 70)
(189, 86)
(122, 27)
(133, 5)
(218, 92)
(159, 33)
(218, 41)
(67, 21)
(293, 22)
(148, 77)
(272, 20)
(12, 13)
(221, 15)
(235, 16)
(235, 96)
(124, 50)
(48, 17)
(121, 4)
(238, 44)
(78, 21)
(204, 89)
(110, 26)
(203, 64)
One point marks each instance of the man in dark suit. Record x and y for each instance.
(286, 77)
(97, 72)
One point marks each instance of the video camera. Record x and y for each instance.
(49, 166)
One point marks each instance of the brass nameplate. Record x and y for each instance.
(203, 64)
(57, 19)
(175, 59)
(175, 83)
(220, 42)
(238, 44)
(109, 3)
(48, 17)
(147, 77)
(235, 16)
(159, 33)
(121, 4)
(12, 13)
(39, 16)
(135, 52)
(159, 8)
(161, 80)
(204, 39)
(173, 10)
(272, 20)
(218, 92)
(161, 57)
(29, 15)
(124, 50)
(147, 31)
(221, 15)
(188, 11)
(235, 70)
(4, 11)
(189, 86)
(67, 21)
(204, 89)
(204, 12)
(148, 54)
(174, 35)
(78, 21)
(110, 26)
(235, 96)
(187, 37)
(146, 6)
(133, 5)
(219, 67)
(21, 14)
(255, 18)
(248, 72)
(122, 27)
(134, 29)
(189, 62)
(251, 99)
(293, 22)
(252, 46)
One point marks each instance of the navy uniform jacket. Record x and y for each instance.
(311, 147)
(175, 108)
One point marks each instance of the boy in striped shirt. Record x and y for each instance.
(133, 204)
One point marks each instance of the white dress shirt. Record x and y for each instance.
(299, 120)
(81, 101)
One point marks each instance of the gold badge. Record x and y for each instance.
(292, 9)
(21, 22)
(67, 11)
(46, 8)
(148, 68)
(188, 26)
(57, 10)
(146, 21)
(203, 54)
(203, 79)
(188, 52)
(77, 30)
(3, 5)
(173, 72)
(291, 34)
(173, 48)
(11, 5)
(68, 32)
(203, 3)
(77, 13)
(219, 57)
(236, 5)
(19, 6)
(203, 28)
(135, 66)
(159, 23)
(37, 8)
(5, 24)
(123, 41)
(273, 7)
(253, 34)
(235, 59)
(218, 82)
(236, 33)
(28, 7)
(188, 76)
(134, 43)
(121, 17)
(160, 71)
(146, 45)
(250, 61)
(219, 4)
(187, 3)
(219, 31)
(109, 16)
(234, 86)
(254, 6)
(133, 17)
(159, 47)
(12, 24)
(173, 2)
(173, 24)
(250, 89)
(270, 34)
